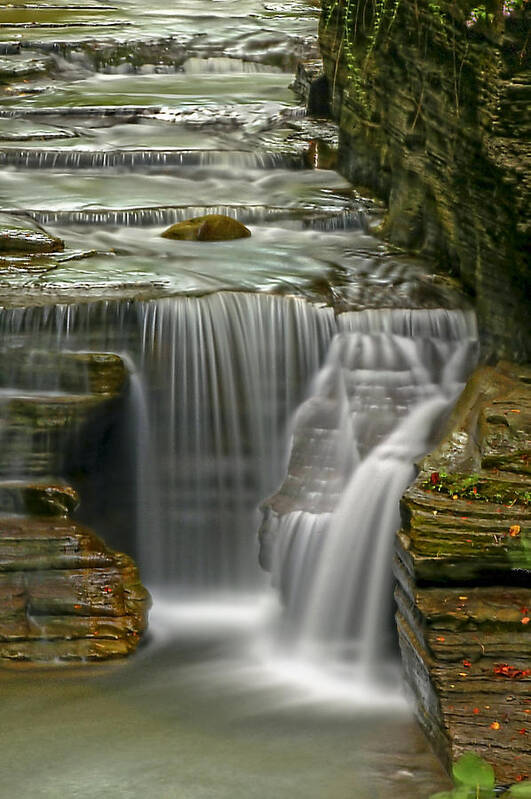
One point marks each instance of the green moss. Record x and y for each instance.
(486, 487)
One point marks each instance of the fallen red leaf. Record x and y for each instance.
(510, 672)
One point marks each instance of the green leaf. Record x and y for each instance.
(522, 790)
(461, 792)
(473, 771)
(443, 795)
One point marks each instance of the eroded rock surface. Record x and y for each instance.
(463, 565)
(72, 400)
(22, 235)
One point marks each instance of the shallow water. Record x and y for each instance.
(202, 712)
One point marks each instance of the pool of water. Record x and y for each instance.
(204, 711)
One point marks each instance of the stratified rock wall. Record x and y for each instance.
(64, 595)
(463, 565)
(433, 107)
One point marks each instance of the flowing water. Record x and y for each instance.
(303, 369)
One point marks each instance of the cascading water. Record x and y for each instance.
(387, 380)
(214, 380)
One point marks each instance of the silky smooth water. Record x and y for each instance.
(119, 122)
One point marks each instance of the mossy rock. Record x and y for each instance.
(211, 227)
(21, 235)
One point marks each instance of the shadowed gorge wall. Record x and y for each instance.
(432, 103)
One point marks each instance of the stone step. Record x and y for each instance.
(454, 540)
(39, 543)
(150, 216)
(468, 624)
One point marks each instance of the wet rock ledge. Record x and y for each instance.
(463, 565)
(64, 595)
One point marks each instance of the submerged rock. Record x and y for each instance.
(23, 235)
(463, 565)
(211, 227)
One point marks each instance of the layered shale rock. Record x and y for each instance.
(432, 101)
(55, 426)
(64, 595)
(463, 565)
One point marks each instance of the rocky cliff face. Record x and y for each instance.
(463, 565)
(432, 101)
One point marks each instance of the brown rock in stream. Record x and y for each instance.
(211, 227)
(463, 565)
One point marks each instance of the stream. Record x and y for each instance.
(281, 388)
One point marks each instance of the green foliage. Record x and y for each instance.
(366, 24)
(474, 778)
(473, 771)
(521, 790)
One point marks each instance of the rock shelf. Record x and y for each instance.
(463, 566)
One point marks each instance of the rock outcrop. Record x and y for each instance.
(56, 424)
(432, 102)
(463, 565)
(64, 595)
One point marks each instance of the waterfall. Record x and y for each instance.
(169, 215)
(213, 381)
(33, 158)
(388, 379)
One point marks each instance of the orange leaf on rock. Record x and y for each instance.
(510, 672)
